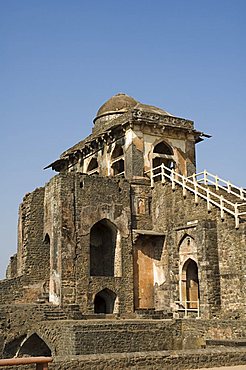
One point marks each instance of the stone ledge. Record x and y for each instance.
(154, 360)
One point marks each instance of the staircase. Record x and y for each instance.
(54, 313)
(215, 191)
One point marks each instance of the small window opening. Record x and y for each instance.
(118, 167)
(47, 240)
(117, 152)
(92, 167)
(117, 161)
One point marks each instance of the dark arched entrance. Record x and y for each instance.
(104, 301)
(34, 346)
(190, 283)
(102, 248)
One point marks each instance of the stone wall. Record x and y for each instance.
(163, 360)
(97, 199)
(220, 250)
(33, 258)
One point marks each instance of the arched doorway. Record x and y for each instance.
(190, 284)
(103, 238)
(104, 301)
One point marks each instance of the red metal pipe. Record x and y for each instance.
(41, 362)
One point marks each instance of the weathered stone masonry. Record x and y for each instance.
(113, 257)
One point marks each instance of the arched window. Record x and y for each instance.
(190, 284)
(34, 346)
(117, 161)
(46, 253)
(163, 148)
(117, 152)
(103, 242)
(47, 240)
(104, 301)
(92, 167)
(162, 154)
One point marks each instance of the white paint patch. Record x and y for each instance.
(159, 276)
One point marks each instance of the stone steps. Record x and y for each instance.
(55, 314)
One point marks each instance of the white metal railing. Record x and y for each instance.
(208, 178)
(203, 191)
(185, 307)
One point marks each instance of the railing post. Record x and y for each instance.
(184, 186)
(173, 181)
(236, 216)
(228, 187)
(222, 207)
(151, 178)
(216, 182)
(163, 178)
(195, 188)
(241, 193)
(205, 177)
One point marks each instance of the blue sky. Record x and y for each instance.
(60, 60)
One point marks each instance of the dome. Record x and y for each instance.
(117, 104)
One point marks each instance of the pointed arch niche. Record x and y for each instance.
(162, 153)
(105, 249)
(188, 272)
(104, 301)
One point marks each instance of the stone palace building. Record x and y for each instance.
(128, 251)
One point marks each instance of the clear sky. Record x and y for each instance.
(60, 60)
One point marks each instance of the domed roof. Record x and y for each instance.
(118, 102)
